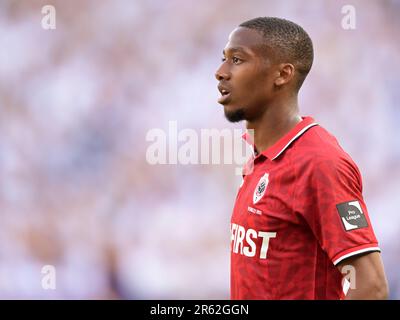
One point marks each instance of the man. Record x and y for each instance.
(300, 222)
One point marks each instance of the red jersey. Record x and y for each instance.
(298, 214)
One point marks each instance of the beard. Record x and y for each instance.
(234, 116)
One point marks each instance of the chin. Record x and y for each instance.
(234, 114)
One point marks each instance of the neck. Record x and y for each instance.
(277, 120)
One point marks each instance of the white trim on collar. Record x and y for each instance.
(295, 137)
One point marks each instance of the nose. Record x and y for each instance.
(222, 73)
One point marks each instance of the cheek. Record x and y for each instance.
(252, 84)
(258, 86)
(249, 81)
(255, 77)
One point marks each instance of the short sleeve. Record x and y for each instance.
(328, 195)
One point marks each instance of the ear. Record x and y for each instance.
(285, 74)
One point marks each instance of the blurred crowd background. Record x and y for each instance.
(76, 103)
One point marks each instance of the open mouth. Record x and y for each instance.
(224, 92)
(225, 95)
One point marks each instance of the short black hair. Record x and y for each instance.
(288, 41)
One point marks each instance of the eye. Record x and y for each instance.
(223, 59)
(236, 60)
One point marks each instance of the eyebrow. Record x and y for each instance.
(234, 49)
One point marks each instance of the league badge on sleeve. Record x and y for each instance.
(260, 188)
(352, 215)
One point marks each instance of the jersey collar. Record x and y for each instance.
(283, 143)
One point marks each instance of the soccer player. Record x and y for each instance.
(300, 227)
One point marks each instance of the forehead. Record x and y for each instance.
(245, 39)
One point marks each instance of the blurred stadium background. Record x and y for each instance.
(76, 103)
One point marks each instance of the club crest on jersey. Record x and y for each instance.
(260, 188)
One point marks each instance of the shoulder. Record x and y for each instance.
(318, 150)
